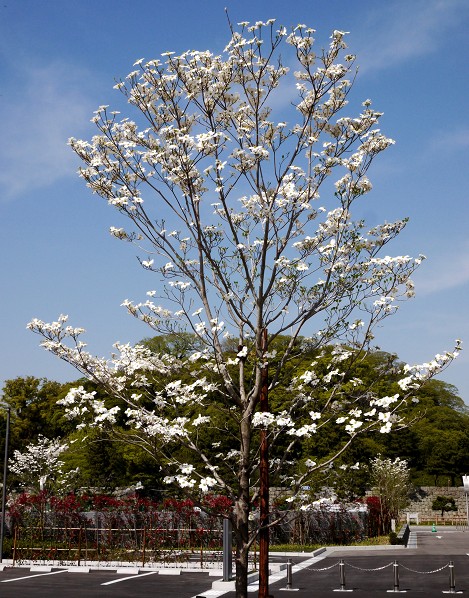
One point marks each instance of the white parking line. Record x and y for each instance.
(32, 576)
(212, 593)
(108, 583)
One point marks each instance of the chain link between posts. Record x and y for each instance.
(323, 569)
(377, 568)
(425, 572)
(363, 569)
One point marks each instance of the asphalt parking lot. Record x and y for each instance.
(16, 582)
(423, 570)
(374, 576)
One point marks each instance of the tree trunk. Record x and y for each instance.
(264, 502)
(241, 513)
(241, 531)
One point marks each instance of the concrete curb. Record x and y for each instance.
(331, 549)
(132, 570)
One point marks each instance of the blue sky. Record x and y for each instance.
(58, 62)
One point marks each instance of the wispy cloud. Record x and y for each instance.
(41, 110)
(445, 272)
(451, 140)
(400, 31)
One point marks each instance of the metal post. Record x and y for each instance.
(289, 575)
(396, 576)
(467, 511)
(465, 481)
(4, 489)
(227, 549)
(452, 583)
(342, 575)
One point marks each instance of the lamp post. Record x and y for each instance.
(4, 487)
(465, 481)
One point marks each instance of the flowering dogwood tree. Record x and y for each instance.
(391, 482)
(39, 466)
(245, 221)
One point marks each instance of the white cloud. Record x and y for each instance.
(444, 272)
(42, 108)
(452, 140)
(401, 31)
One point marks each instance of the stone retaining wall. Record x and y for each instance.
(423, 497)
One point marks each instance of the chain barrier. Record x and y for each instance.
(362, 569)
(425, 572)
(378, 568)
(323, 569)
(395, 564)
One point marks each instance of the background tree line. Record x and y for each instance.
(435, 444)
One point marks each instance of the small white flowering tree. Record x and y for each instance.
(39, 466)
(391, 482)
(222, 196)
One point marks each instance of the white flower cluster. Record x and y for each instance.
(418, 374)
(266, 419)
(188, 478)
(80, 404)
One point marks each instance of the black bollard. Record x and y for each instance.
(452, 583)
(396, 576)
(289, 575)
(342, 575)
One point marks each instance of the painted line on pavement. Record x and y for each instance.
(32, 576)
(108, 583)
